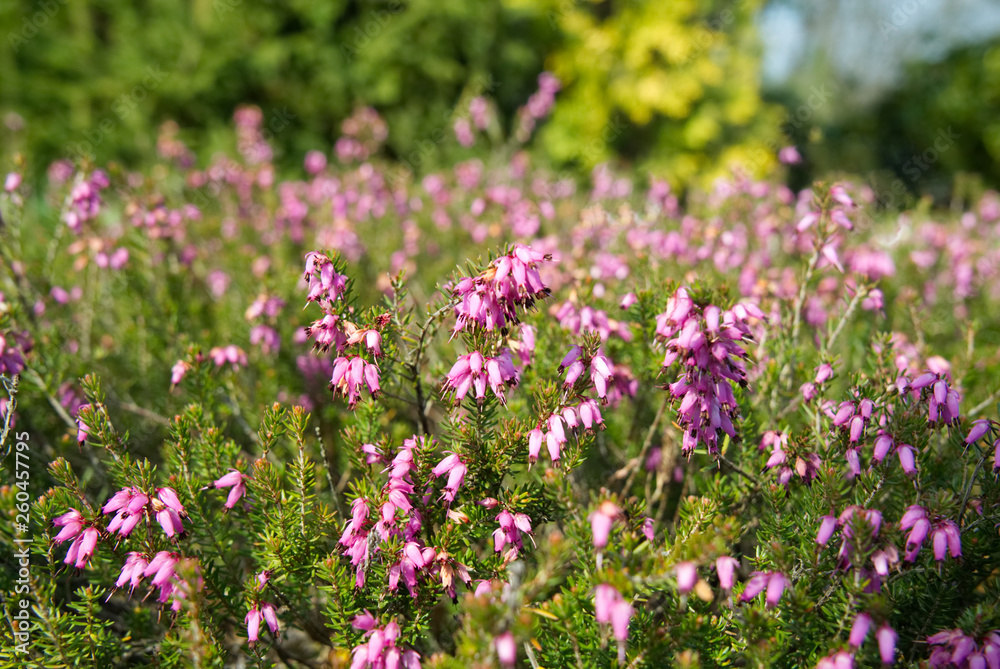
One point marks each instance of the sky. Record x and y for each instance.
(869, 42)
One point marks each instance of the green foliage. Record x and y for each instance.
(672, 85)
(96, 78)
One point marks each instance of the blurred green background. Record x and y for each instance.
(687, 89)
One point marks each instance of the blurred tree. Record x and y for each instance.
(672, 85)
(97, 77)
(941, 121)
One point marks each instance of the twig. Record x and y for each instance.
(531, 655)
(968, 488)
(10, 384)
(414, 366)
(145, 413)
(861, 293)
(736, 468)
(634, 465)
(985, 403)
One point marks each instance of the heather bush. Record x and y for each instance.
(492, 417)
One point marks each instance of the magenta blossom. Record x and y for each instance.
(601, 522)
(475, 371)
(234, 480)
(351, 375)
(129, 505)
(726, 566)
(506, 649)
(706, 341)
(774, 582)
(82, 548)
(379, 650)
(169, 511)
(456, 469)
(132, 571)
(490, 300)
(71, 523)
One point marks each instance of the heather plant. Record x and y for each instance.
(492, 417)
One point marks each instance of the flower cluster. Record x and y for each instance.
(84, 201)
(706, 340)
(611, 607)
(324, 283)
(552, 432)
(475, 371)
(351, 375)
(379, 650)
(222, 355)
(397, 517)
(538, 105)
(453, 466)
(13, 346)
(84, 538)
(806, 465)
(955, 648)
(601, 370)
(364, 132)
(130, 505)
(235, 480)
(773, 581)
(944, 532)
(490, 300)
(886, 637)
(509, 532)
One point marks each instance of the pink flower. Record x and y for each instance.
(621, 614)
(178, 371)
(161, 568)
(325, 284)
(490, 300)
(604, 597)
(379, 649)
(456, 469)
(979, 428)
(823, 373)
(270, 617)
(168, 510)
(71, 523)
(463, 132)
(235, 480)
(776, 584)
(827, 526)
(726, 568)
(506, 649)
(82, 548)
(687, 576)
(886, 637)
(315, 161)
(132, 571)
(12, 182)
(130, 504)
(841, 660)
(351, 375)
(476, 372)
(601, 522)
(706, 341)
(252, 620)
(789, 155)
(233, 355)
(859, 630)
